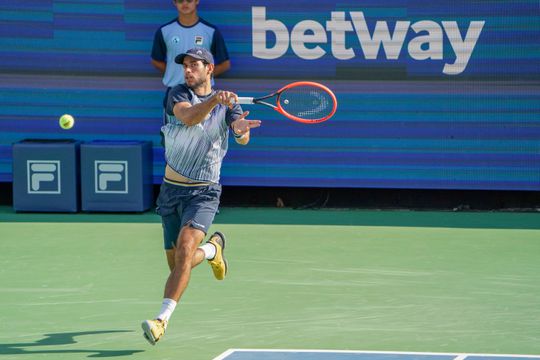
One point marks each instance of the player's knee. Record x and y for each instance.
(185, 247)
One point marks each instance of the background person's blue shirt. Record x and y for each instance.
(173, 39)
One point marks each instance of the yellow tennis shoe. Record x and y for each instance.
(218, 263)
(153, 330)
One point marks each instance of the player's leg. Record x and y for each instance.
(182, 258)
(171, 231)
(186, 256)
(197, 216)
(200, 255)
(200, 215)
(184, 253)
(213, 251)
(169, 207)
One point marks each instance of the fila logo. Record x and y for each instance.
(43, 176)
(111, 177)
(199, 40)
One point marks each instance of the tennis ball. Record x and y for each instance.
(66, 121)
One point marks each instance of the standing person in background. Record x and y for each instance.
(186, 31)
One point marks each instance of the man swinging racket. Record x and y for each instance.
(196, 140)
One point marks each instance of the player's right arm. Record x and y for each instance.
(194, 114)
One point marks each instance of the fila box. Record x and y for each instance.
(116, 176)
(46, 175)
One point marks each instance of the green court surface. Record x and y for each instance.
(77, 286)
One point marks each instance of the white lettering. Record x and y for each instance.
(338, 26)
(299, 38)
(428, 44)
(462, 48)
(260, 27)
(433, 40)
(381, 35)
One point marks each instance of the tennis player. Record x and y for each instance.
(196, 140)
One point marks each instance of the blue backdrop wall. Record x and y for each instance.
(432, 95)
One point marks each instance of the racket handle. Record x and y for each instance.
(245, 100)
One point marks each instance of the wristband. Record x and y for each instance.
(238, 136)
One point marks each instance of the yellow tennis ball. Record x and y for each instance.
(66, 121)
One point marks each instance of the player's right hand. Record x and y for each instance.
(226, 98)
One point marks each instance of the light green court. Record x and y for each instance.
(77, 286)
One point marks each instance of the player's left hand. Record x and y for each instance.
(242, 125)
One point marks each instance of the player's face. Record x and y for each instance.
(186, 7)
(196, 72)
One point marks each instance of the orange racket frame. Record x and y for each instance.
(279, 108)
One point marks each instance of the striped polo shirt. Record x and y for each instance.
(197, 151)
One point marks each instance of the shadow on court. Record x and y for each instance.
(61, 339)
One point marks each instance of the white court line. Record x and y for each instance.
(457, 356)
(225, 354)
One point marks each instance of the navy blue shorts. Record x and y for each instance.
(191, 205)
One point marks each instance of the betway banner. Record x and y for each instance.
(384, 40)
(307, 38)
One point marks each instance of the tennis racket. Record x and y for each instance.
(303, 101)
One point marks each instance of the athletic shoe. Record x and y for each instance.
(218, 263)
(153, 330)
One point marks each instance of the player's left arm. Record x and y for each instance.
(241, 128)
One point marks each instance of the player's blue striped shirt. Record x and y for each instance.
(197, 151)
(173, 39)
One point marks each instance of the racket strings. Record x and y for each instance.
(307, 102)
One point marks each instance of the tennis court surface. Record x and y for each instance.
(423, 285)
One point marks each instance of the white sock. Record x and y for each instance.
(167, 308)
(209, 251)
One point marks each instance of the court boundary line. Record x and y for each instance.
(457, 356)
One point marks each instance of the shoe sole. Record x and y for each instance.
(222, 251)
(148, 339)
(222, 238)
(147, 333)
